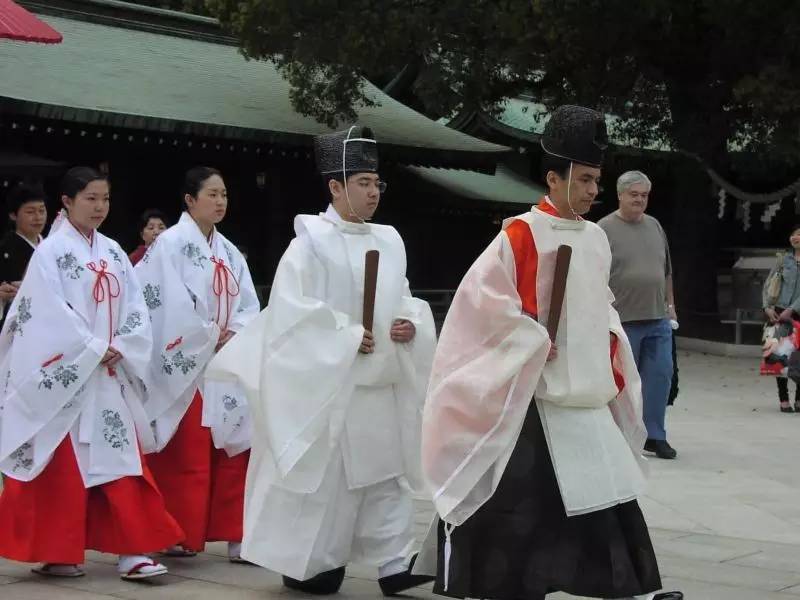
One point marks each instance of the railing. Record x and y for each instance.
(744, 316)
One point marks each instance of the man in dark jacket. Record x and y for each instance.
(26, 209)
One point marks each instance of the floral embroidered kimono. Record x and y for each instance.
(195, 288)
(68, 425)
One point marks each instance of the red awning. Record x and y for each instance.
(16, 23)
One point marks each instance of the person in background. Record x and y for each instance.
(786, 307)
(641, 281)
(151, 224)
(27, 211)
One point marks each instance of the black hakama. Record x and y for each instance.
(521, 544)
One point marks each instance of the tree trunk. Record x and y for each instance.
(700, 126)
(694, 239)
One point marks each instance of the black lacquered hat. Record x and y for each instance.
(577, 134)
(357, 145)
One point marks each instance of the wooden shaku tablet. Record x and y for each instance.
(563, 257)
(371, 260)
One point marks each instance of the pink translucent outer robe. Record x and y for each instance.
(488, 364)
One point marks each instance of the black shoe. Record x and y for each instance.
(669, 596)
(661, 449)
(323, 584)
(394, 584)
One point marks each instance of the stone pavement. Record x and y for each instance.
(725, 516)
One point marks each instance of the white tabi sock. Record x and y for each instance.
(128, 561)
(234, 549)
(393, 567)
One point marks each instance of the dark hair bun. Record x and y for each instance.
(77, 178)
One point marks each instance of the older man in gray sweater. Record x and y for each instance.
(641, 280)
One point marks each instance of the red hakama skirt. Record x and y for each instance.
(202, 486)
(54, 518)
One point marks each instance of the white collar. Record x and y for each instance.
(344, 226)
(332, 215)
(187, 219)
(74, 231)
(559, 222)
(32, 245)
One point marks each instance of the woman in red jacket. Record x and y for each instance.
(151, 224)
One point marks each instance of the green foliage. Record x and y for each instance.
(699, 74)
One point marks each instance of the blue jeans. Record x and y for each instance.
(651, 342)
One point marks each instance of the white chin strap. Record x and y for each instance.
(353, 212)
(569, 185)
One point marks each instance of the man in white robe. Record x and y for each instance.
(336, 409)
(532, 450)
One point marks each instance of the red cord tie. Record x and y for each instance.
(106, 288)
(49, 362)
(175, 343)
(224, 284)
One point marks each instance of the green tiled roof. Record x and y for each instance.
(124, 77)
(530, 117)
(504, 186)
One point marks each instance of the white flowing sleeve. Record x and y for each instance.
(133, 337)
(183, 342)
(226, 411)
(293, 362)
(249, 305)
(416, 359)
(47, 353)
(488, 362)
(627, 407)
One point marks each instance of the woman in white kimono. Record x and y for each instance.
(73, 350)
(199, 292)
